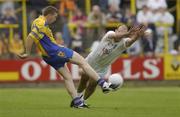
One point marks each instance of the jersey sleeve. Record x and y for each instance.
(108, 35)
(38, 30)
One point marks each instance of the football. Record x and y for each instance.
(116, 79)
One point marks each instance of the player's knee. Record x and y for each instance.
(83, 64)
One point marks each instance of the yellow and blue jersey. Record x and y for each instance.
(43, 37)
(52, 53)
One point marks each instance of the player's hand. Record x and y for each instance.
(22, 56)
(134, 28)
(141, 31)
(138, 30)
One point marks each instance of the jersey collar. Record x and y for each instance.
(46, 24)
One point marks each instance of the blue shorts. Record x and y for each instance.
(58, 60)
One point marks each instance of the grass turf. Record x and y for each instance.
(126, 102)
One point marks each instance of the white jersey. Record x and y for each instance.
(106, 53)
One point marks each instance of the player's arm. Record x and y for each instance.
(131, 40)
(28, 45)
(135, 34)
(118, 36)
(37, 32)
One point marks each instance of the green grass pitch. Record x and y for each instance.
(126, 102)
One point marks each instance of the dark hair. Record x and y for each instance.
(49, 10)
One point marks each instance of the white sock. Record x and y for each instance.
(80, 94)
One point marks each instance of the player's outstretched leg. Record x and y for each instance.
(82, 83)
(91, 87)
(76, 101)
(79, 60)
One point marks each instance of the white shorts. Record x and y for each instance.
(101, 71)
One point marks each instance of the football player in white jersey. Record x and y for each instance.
(111, 46)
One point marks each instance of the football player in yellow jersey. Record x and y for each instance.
(57, 56)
